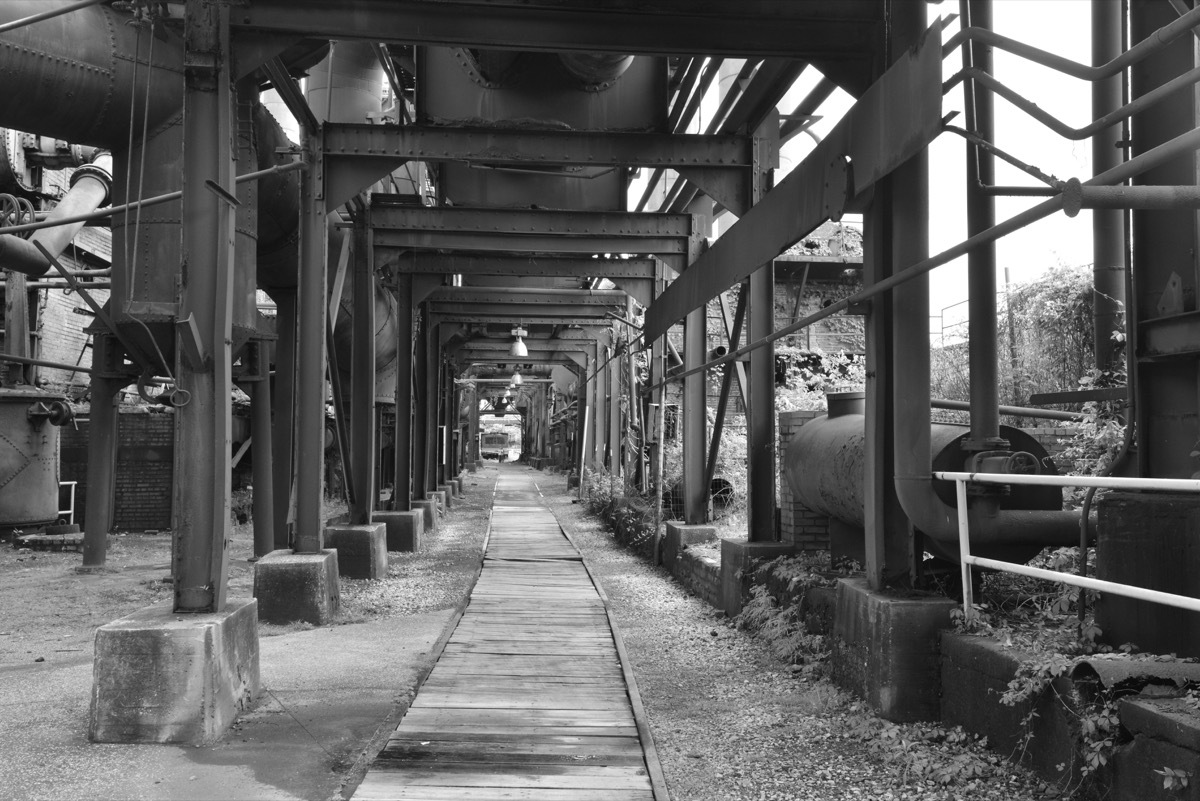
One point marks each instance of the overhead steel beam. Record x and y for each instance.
(487, 296)
(512, 146)
(895, 119)
(497, 310)
(840, 31)
(529, 318)
(530, 222)
(432, 263)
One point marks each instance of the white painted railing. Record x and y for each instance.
(968, 561)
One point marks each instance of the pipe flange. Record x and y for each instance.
(97, 172)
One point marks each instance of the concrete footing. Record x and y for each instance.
(294, 587)
(166, 677)
(447, 491)
(735, 573)
(679, 536)
(885, 649)
(429, 512)
(361, 550)
(439, 496)
(404, 529)
(572, 481)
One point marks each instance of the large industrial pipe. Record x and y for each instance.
(90, 188)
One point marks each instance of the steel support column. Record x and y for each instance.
(420, 422)
(102, 451)
(615, 429)
(203, 360)
(981, 260)
(760, 412)
(695, 494)
(402, 438)
(285, 414)
(262, 464)
(1108, 225)
(311, 356)
(362, 366)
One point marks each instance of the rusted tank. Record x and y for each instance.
(29, 457)
(824, 467)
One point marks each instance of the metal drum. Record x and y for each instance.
(28, 459)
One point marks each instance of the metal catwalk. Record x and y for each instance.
(530, 698)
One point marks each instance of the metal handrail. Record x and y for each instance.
(967, 561)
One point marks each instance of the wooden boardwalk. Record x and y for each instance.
(529, 699)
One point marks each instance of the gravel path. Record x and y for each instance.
(730, 722)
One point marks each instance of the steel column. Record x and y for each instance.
(402, 438)
(760, 411)
(362, 365)
(420, 422)
(285, 414)
(615, 429)
(311, 355)
(1108, 225)
(262, 463)
(203, 362)
(102, 451)
(695, 494)
(981, 260)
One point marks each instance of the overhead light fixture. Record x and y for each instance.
(518, 346)
(516, 379)
(507, 394)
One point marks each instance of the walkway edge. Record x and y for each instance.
(658, 782)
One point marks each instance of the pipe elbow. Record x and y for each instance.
(99, 171)
(20, 256)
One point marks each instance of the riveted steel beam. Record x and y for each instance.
(840, 31)
(896, 118)
(529, 318)
(521, 146)
(499, 264)
(503, 310)
(529, 295)
(530, 222)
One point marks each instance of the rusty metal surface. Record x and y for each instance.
(895, 119)
(509, 265)
(1114, 672)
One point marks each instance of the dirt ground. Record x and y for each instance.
(50, 609)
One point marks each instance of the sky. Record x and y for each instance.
(1062, 27)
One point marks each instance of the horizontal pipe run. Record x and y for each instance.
(51, 14)
(1137, 593)
(75, 368)
(1151, 44)
(1076, 197)
(1100, 482)
(101, 214)
(1135, 166)
(1011, 411)
(1058, 126)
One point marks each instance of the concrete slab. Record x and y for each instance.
(429, 510)
(447, 491)
(735, 577)
(163, 677)
(680, 535)
(294, 587)
(885, 649)
(362, 550)
(404, 529)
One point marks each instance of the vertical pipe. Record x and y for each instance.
(16, 326)
(614, 415)
(1108, 225)
(260, 411)
(981, 261)
(285, 417)
(201, 510)
(310, 356)
(403, 437)
(362, 366)
(102, 452)
(760, 416)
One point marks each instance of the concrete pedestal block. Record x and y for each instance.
(297, 586)
(572, 481)
(429, 512)
(680, 535)
(441, 496)
(404, 529)
(885, 650)
(460, 487)
(735, 568)
(166, 677)
(362, 550)
(447, 491)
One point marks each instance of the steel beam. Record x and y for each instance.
(514, 146)
(469, 318)
(420, 394)
(203, 363)
(841, 32)
(896, 118)
(362, 396)
(259, 389)
(403, 436)
(285, 406)
(495, 264)
(102, 450)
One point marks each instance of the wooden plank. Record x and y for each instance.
(465, 774)
(385, 790)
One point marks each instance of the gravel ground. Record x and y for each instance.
(730, 722)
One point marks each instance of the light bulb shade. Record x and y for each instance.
(518, 348)
(517, 380)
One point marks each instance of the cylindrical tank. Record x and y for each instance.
(824, 463)
(28, 460)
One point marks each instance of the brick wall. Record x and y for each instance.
(700, 574)
(145, 454)
(797, 523)
(62, 338)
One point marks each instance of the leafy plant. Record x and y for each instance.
(1174, 779)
